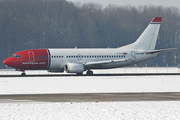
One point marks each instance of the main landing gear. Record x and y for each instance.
(23, 74)
(89, 72)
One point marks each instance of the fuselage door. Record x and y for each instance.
(79, 56)
(133, 56)
(31, 56)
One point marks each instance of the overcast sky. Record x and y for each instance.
(136, 3)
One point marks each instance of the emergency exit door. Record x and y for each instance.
(31, 56)
(133, 56)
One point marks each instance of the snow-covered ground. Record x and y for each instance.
(86, 84)
(91, 111)
(153, 110)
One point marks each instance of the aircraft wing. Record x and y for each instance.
(105, 62)
(157, 51)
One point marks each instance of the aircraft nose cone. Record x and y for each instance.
(9, 62)
(5, 62)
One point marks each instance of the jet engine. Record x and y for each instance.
(74, 68)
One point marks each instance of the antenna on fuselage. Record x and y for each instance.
(76, 47)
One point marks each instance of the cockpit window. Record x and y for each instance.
(16, 56)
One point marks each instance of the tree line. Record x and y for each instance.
(31, 24)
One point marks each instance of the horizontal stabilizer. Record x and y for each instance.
(161, 50)
(104, 62)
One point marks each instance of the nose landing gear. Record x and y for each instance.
(23, 72)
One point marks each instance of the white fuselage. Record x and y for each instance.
(60, 57)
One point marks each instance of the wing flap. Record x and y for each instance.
(105, 62)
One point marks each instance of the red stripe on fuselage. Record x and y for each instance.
(35, 59)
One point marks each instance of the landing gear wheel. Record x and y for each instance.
(89, 72)
(23, 74)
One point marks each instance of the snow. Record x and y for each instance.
(93, 84)
(91, 111)
(140, 110)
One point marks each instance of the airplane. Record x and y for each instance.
(79, 60)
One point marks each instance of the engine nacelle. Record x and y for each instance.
(74, 68)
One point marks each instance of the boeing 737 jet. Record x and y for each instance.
(79, 60)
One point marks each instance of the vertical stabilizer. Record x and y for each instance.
(147, 40)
